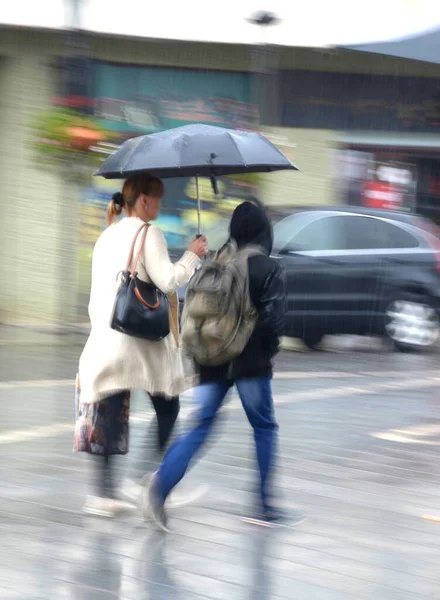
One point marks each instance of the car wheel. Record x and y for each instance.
(312, 340)
(411, 322)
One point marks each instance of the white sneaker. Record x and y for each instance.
(178, 499)
(156, 504)
(106, 507)
(175, 499)
(131, 491)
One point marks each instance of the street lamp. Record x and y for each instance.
(265, 65)
(75, 75)
(264, 18)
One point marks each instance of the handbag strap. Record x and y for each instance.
(131, 266)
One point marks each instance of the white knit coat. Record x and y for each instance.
(112, 361)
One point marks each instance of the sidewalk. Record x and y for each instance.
(44, 334)
(365, 497)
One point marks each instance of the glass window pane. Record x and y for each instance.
(326, 233)
(367, 233)
(285, 230)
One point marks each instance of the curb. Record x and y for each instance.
(292, 345)
(42, 334)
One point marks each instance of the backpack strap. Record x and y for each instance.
(250, 250)
(230, 250)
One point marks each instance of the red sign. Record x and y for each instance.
(377, 194)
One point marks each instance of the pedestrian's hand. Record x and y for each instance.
(199, 246)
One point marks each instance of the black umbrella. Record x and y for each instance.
(423, 47)
(195, 151)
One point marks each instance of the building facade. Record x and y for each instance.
(48, 226)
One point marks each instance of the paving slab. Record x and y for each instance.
(365, 497)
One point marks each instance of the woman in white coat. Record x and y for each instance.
(113, 363)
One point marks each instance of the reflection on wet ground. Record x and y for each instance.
(365, 492)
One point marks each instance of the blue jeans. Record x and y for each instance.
(256, 398)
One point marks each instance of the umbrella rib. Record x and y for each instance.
(236, 145)
(127, 160)
(262, 137)
(181, 151)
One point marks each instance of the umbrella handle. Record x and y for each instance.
(199, 207)
(199, 201)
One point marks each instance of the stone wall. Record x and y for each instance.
(30, 240)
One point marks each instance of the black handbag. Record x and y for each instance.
(141, 310)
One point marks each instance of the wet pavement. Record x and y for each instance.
(359, 454)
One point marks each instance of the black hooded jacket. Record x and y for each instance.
(250, 225)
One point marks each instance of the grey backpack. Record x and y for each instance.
(218, 317)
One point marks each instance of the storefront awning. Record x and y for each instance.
(379, 139)
(423, 47)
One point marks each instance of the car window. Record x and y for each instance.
(325, 233)
(285, 229)
(366, 233)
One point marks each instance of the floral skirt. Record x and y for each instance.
(92, 422)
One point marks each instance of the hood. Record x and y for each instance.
(250, 225)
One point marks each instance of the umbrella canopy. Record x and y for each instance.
(424, 47)
(195, 150)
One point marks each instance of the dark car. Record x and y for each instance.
(217, 236)
(361, 271)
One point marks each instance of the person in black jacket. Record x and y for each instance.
(251, 372)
